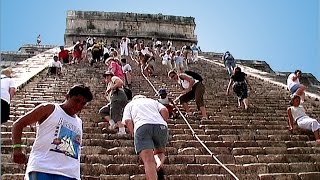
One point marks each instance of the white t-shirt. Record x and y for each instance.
(126, 68)
(56, 64)
(290, 82)
(164, 101)
(6, 84)
(146, 51)
(143, 111)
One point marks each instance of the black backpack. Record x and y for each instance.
(128, 93)
(194, 75)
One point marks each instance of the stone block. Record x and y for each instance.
(309, 175)
(229, 137)
(204, 159)
(302, 167)
(114, 177)
(189, 151)
(211, 168)
(315, 157)
(211, 177)
(245, 159)
(181, 159)
(291, 158)
(175, 169)
(195, 169)
(256, 168)
(278, 168)
(291, 144)
(279, 176)
(275, 150)
(300, 150)
(182, 177)
(271, 158)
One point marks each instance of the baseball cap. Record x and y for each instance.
(162, 91)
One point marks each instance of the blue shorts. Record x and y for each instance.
(150, 136)
(294, 88)
(47, 176)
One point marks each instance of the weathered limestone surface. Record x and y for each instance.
(114, 25)
(253, 144)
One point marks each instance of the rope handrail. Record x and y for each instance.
(194, 134)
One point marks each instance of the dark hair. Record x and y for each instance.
(237, 70)
(297, 71)
(124, 60)
(292, 99)
(171, 72)
(81, 90)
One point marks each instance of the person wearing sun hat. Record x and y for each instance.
(117, 99)
(8, 90)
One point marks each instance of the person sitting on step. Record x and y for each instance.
(297, 113)
(55, 67)
(294, 86)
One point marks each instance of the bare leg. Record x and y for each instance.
(203, 112)
(317, 136)
(186, 107)
(246, 103)
(121, 128)
(149, 164)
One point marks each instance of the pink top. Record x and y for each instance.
(116, 69)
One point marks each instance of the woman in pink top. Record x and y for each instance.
(115, 67)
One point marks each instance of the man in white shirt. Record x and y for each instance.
(294, 86)
(55, 67)
(127, 71)
(146, 120)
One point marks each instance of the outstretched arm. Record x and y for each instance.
(290, 119)
(130, 126)
(190, 80)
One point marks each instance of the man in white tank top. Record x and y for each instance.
(56, 150)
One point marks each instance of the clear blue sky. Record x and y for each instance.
(284, 33)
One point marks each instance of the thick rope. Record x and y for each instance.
(194, 134)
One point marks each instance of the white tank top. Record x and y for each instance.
(56, 149)
(297, 112)
(185, 84)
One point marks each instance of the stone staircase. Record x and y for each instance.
(254, 144)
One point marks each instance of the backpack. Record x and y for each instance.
(128, 93)
(194, 75)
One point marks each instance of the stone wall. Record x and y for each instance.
(114, 25)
